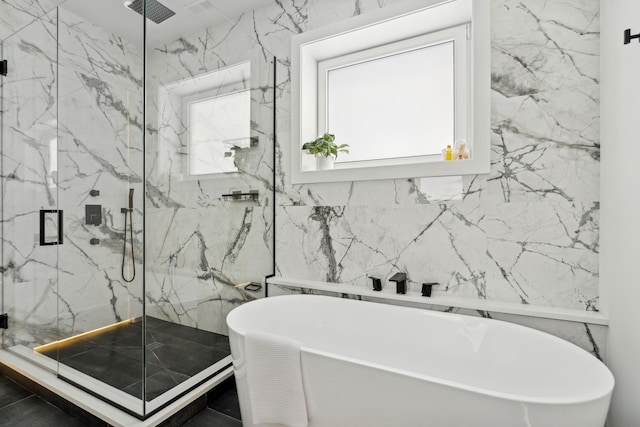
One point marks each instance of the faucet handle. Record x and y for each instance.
(426, 288)
(398, 277)
(377, 283)
(401, 282)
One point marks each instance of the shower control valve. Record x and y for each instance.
(93, 214)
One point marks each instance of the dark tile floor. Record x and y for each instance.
(174, 353)
(209, 418)
(21, 408)
(224, 398)
(223, 409)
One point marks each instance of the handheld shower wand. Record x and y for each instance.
(128, 212)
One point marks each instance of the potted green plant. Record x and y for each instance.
(325, 150)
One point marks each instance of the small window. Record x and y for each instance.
(205, 123)
(218, 126)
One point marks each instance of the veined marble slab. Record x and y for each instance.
(17, 14)
(526, 232)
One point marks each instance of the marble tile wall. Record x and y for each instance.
(527, 232)
(100, 147)
(15, 15)
(199, 245)
(72, 123)
(29, 127)
(82, 84)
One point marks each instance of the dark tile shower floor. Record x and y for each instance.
(174, 353)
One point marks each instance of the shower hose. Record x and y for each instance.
(128, 213)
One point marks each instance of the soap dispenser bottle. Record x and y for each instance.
(448, 153)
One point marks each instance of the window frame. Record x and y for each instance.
(456, 35)
(386, 26)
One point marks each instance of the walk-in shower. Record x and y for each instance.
(127, 149)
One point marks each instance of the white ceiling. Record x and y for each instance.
(191, 16)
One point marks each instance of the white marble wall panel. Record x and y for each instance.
(546, 253)
(15, 15)
(72, 123)
(100, 147)
(29, 127)
(527, 232)
(196, 257)
(550, 258)
(200, 245)
(167, 139)
(192, 298)
(230, 242)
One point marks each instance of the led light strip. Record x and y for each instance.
(84, 334)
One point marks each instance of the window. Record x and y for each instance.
(397, 86)
(205, 123)
(218, 126)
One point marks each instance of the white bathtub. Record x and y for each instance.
(375, 365)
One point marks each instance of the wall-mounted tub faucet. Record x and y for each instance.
(401, 282)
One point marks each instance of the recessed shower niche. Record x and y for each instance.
(125, 184)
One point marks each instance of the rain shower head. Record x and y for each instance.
(156, 11)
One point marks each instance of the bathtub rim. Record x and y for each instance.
(574, 399)
(459, 386)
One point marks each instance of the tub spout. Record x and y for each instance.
(401, 282)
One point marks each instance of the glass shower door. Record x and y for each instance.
(100, 161)
(31, 219)
(93, 124)
(72, 141)
(100, 116)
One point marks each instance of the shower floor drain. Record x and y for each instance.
(154, 345)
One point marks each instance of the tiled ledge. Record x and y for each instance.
(565, 314)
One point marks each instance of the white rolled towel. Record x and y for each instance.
(274, 379)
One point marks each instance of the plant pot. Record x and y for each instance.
(325, 163)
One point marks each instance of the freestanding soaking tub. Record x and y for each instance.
(367, 364)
